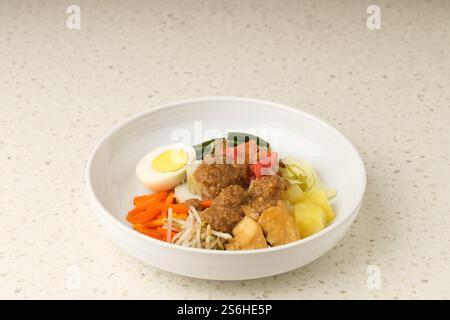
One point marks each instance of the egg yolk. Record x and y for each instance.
(170, 160)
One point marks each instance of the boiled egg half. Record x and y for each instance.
(165, 167)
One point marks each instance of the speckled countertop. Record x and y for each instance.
(61, 90)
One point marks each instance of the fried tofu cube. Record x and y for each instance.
(279, 226)
(247, 235)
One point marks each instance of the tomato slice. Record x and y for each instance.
(266, 166)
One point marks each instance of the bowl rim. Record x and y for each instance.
(99, 206)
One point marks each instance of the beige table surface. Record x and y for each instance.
(387, 90)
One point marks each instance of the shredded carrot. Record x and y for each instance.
(132, 219)
(178, 208)
(150, 212)
(140, 208)
(154, 223)
(149, 232)
(161, 197)
(148, 215)
(163, 232)
(206, 203)
(140, 200)
(170, 198)
(181, 216)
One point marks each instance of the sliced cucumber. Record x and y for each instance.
(206, 147)
(236, 138)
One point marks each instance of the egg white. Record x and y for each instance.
(162, 181)
(182, 193)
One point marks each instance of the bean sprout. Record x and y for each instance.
(195, 234)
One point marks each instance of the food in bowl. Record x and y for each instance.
(230, 193)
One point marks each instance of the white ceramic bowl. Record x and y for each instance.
(112, 182)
